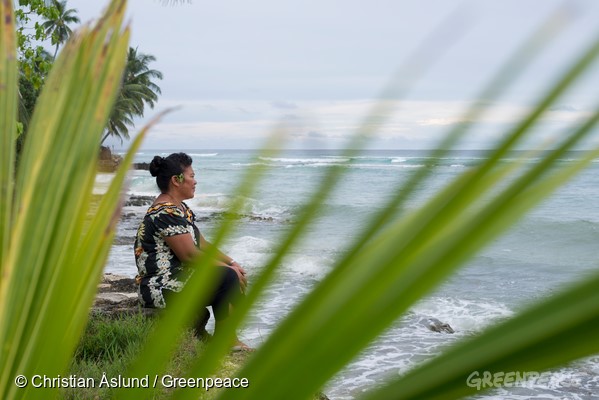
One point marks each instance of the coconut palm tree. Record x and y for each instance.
(57, 28)
(137, 91)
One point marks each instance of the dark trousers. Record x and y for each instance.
(226, 291)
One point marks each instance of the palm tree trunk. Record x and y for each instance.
(105, 137)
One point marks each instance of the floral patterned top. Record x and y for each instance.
(157, 265)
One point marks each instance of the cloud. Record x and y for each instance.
(564, 107)
(285, 105)
(439, 121)
(311, 135)
(312, 81)
(316, 123)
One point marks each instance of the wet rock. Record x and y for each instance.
(143, 166)
(435, 325)
(139, 201)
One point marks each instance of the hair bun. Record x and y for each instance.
(156, 165)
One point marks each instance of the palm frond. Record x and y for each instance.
(55, 178)
(8, 128)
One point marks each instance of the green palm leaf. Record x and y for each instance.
(137, 91)
(52, 198)
(8, 126)
(57, 27)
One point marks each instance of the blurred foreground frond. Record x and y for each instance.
(54, 254)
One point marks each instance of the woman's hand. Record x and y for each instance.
(240, 274)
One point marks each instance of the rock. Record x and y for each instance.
(107, 165)
(117, 294)
(143, 166)
(108, 162)
(139, 201)
(105, 153)
(117, 298)
(435, 325)
(118, 283)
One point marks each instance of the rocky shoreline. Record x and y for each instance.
(109, 162)
(117, 295)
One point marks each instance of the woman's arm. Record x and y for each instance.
(185, 249)
(183, 246)
(225, 261)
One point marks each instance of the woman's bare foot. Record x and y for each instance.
(240, 346)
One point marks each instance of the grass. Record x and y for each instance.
(109, 345)
(109, 338)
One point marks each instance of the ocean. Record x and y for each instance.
(553, 245)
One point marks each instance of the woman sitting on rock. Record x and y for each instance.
(168, 238)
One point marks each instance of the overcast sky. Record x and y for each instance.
(239, 68)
